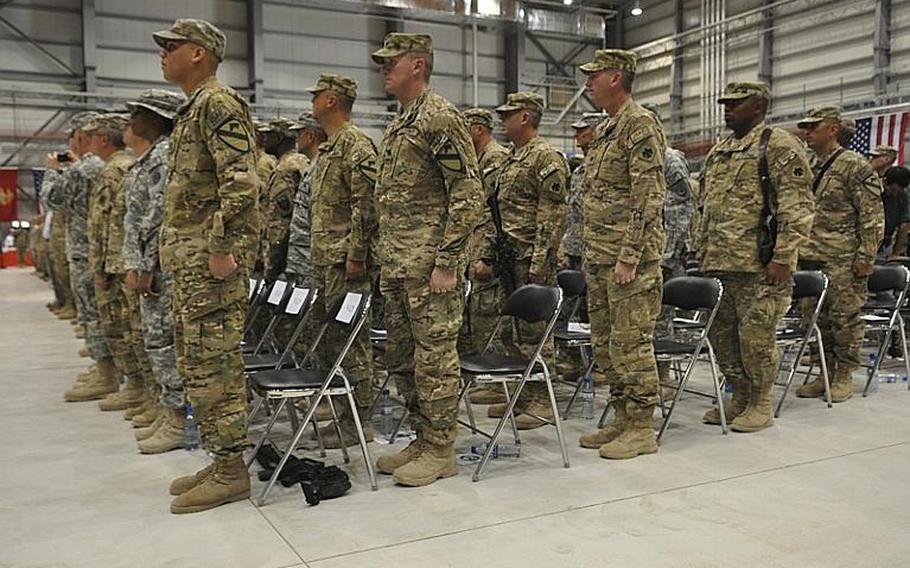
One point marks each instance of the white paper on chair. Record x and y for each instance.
(578, 327)
(349, 307)
(871, 318)
(252, 289)
(277, 292)
(298, 298)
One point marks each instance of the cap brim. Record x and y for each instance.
(581, 125)
(806, 121)
(380, 56)
(591, 67)
(160, 112)
(315, 89)
(508, 108)
(167, 35)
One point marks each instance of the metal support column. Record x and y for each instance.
(881, 48)
(255, 53)
(514, 50)
(89, 47)
(676, 74)
(766, 45)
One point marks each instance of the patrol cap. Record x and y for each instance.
(107, 121)
(848, 123)
(161, 102)
(306, 120)
(522, 100)
(341, 84)
(279, 125)
(80, 119)
(884, 150)
(610, 59)
(588, 120)
(480, 116)
(200, 32)
(818, 114)
(744, 90)
(397, 43)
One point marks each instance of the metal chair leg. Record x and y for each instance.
(557, 420)
(268, 428)
(337, 425)
(719, 392)
(792, 373)
(880, 354)
(510, 407)
(363, 441)
(515, 435)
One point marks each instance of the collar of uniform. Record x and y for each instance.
(206, 83)
(520, 153)
(823, 159)
(330, 143)
(407, 114)
(483, 151)
(738, 144)
(150, 149)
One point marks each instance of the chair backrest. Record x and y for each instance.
(279, 294)
(572, 282)
(809, 284)
(533, 303)
(349, 311)
(886, 278)
(692, 292)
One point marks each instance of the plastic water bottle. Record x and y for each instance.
(499, 450)
(190, 430)
(587, 398)
(387, 424)
(889, 378)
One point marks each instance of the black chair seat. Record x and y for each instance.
(293, 379)
(493, 364)
(790, 334)
(565, 335)
(687, 324)
(667, 347)
(263, 361)
(874, 305)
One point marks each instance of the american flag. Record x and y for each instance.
(887, 129)
(38, 176)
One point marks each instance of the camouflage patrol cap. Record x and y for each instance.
(522, 100)
(306, 120)
(397, 43)
(588, 120)
(818, 114)
(884, 150)
(610, 59)
(480, 116)
(341, 84)
(80, 119)
(200, 32)
(279, 125)
(107, 121)
(743, 90)
(161, 102)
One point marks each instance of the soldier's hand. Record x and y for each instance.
(221, 265)
(862, 269)
(131, 279)
(145, 285)
(442, 280)
(624, 272)
(777, 273)
(482, 270)
(354, 269)
(51, 161)
(101, 282)
(536, 278)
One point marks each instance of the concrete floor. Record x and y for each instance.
(823, 488)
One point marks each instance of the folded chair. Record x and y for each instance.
(882, 314)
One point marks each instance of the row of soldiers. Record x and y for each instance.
(162, 241)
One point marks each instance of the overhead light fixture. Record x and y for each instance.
(567, 2)
(637, 10)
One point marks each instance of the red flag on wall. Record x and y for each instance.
(8, 204)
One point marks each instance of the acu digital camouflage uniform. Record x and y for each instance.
(743, 334)
(61, 271)
(849, 224)
(429, 198)
(572, 242)
(211, 207)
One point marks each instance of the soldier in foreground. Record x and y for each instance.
(208, 241)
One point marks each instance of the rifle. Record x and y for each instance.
(767, 229)
(504, 253)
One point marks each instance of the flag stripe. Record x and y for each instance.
(890, 129)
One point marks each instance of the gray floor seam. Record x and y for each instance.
(609, 502)
(281, 536)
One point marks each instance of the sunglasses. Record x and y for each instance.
(171, 46)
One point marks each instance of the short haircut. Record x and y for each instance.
(627, 79)
(898, 175)
(428, 63)
(114, 136)
(345, 102)
(535, 117)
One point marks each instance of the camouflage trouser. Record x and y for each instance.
(61, 272)
(483, 309)
(622, 329)
(83, 284)
(208, 323)
(744, 331)
(521, 339)
(158, 337)
(135, 341)
(358, 364)
(421, 353)
(115, 323)
(839, 321)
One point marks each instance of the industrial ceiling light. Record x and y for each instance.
(637, 10)
(567, 2)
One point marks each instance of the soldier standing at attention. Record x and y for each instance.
(429, 198)
(849, 224)
(208, 240)
(299, 265)
(531, 193)
(882, 158)
(756, 293)
(623, 244)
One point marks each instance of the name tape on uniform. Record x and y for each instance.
(277, 292)
(349, 307)
(298, 299)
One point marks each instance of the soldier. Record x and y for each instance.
(66, 309)
(68, 188)
(531, 193)
(571, 248)
(429, 198)
(486, 294)
(756, 291)
(896, 205)
(882, 158)
(208, 241)
(847, 131)
(623, 246)
(299, 266)
(151, 122)
(343, 217)
(849, 224)
(265, 165)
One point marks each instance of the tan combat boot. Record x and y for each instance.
(148, 431)
(168, 436)
(83, 377)
(595, 440)
(734, 408)
(638, 438)
(84, 352)
(147, 417)
(67, 312)
(228, 481)
(183, 484)
(388, 464)
(103, 384)
(132, 411)
(842, 387)
(487, 394)
(80, 334)
(758, 414)
(323, 410)
(131, 396)
(432, 462)
(348, 431)
(528, 422)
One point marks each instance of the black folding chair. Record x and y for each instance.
(530, 303)
(700, 294)
(570, 334)
(883, 313)
(259, 293)
(296, 311)
(349, 312)
(795, 333)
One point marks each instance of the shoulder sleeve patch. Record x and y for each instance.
(449, 157)
(232, 133)
(367, 167)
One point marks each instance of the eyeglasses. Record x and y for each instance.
(170, 46)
